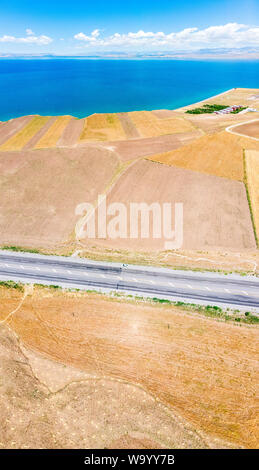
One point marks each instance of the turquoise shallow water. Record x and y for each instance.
(82, 87)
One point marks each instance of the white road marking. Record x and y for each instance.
(22, 267)
(171, 284)
(227, 290)
(54, 270)
(190, 287)
(207, 288)
(245, 293)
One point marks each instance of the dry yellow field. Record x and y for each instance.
(252, 174)
(103, 127)
(19, 140)
(219, 154)
(202, 370)
(149, 125)
(54, 133)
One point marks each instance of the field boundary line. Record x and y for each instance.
(248, 198)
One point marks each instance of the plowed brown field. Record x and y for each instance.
(102, 127)
(40, 189)
(216, 212)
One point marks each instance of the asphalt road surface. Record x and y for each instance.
(201, 288)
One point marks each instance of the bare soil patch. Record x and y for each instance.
(40, 134)
(148, 125)
(128, 126)
(10, 128)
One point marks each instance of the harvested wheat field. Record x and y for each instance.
(53, 134)
(9, 128)
(45, 404)
(40, 189)
(252, 174)
(71, 133)
(134, 356)
(19, 140)
(216, 212)
(149, 125)
(219, 154)
(236, 96)
(102, 127)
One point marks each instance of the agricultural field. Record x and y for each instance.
(208, 154)
(149, 125)
(39, 192)
(19, 140)
(216, 211)
(160, 155)
(73, 370)
(102, 127)
(53, 134)
(251, 129)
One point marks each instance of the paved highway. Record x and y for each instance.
(201, 288)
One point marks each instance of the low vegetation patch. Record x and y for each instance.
(19, 249)
(211, 108)
(11, 285)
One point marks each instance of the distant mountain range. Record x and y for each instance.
(251, 53)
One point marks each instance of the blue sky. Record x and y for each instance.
(86, 27)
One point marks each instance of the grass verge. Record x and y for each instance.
(249, 199)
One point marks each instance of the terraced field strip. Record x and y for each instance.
(10, 128)
(252, 180)
(53, 134)
(72, 132)
(32, 142)
(103, 127)
(128, 126)
(149, 125)
(219, 154)
(19, 140)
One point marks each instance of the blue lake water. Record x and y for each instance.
(82, 87)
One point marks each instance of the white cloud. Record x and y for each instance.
(93, 38)
(228, 35)
(29, 32)
(30, 38)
